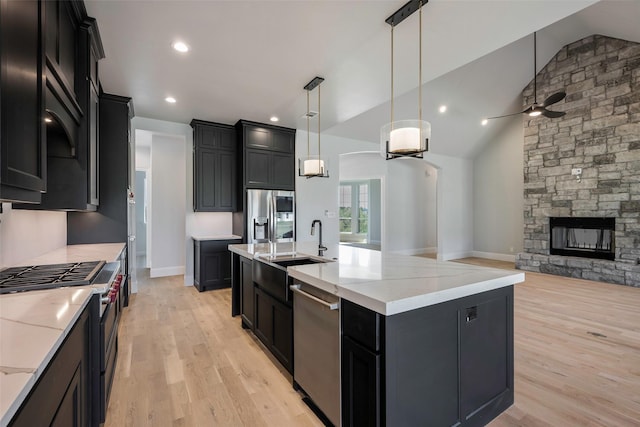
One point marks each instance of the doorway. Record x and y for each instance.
(142, 209)
(360, 213)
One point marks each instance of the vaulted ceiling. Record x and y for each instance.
(251, 59)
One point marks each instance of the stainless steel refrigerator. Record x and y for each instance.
(270, 216)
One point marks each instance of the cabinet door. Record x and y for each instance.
(258, 169)
(283, 141)
(263, 326)
(225, 183)
(205, 179)
(360, 385)
(247, 292)
(93, 167)
(283, 171)
(23, 134)
(257, 137)
(69, 413)
(282, 339)
(215, 272)
(485, 362)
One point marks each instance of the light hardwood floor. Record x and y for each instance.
(185, 362)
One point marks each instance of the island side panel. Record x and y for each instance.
(450, 363)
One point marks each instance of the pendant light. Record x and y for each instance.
(313, 165)
(406, 138)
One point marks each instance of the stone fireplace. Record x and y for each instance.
(582, 171)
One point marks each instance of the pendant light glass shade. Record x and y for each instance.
(404, 138)
(313, 165)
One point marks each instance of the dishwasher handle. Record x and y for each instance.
(296, 289)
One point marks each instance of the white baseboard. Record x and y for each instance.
(454, 255)
(188, 280)
(415, 251)
(166, 271)
(496, 256)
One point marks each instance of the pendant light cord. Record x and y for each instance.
(535, 67)
(308, 129)
(420, 74)
(391, 77)
(319, 130)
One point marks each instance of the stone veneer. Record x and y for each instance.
(600, 134)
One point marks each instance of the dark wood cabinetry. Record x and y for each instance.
(274, 326)
(247, 292)
(64, 392)
(212, 264)
(22, 101)
(109, 223)
(214, 167)
(268, 155)
(447, 364)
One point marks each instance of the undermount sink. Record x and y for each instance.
(297, 261)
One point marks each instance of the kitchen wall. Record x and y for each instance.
(454, 196)
(192, 223)
(498, 194)
(27, 234)
(406, 183)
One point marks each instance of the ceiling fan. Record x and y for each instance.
(536, 109)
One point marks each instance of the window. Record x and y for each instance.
(354, 210)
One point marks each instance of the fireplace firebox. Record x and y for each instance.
(583, 237)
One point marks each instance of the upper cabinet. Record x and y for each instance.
(72, 49)
(214, 167)
(268, 159)
(22, 105)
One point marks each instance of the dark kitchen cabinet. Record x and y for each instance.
(65, 391)
(446, 364)
(214, 167)
(247, 292)
(268, 158)
(23, 150)
(212, 264)
(274, 327)
(108, 224)
(73, 49)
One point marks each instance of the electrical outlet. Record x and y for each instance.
(329, 214)
(511, 249)
(576, 171)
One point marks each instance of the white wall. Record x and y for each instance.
(498, 195)
(409, 194)
(168, 188)
(26, 234)
(315, 196)
(201, 223)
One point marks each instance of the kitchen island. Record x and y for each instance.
(423, 342)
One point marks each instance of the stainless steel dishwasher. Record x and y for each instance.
(316, 348)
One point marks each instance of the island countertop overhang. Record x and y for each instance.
(384, 282)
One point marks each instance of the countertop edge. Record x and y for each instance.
(214, 237)
(22, 395)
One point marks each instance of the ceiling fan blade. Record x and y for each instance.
(553, 114)
(506, 115)
(556, 97)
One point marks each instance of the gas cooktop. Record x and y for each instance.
(35, 277)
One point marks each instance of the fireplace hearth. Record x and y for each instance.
(582, 237)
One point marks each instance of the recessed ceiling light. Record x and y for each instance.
(274, 119)
(443, 108)
(170, 99)
(47, 120)
(181, 47)
(484, 122)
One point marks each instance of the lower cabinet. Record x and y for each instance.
(247, 292)
(64, 393)
(446, 364)
(212, 264)
(274, 327)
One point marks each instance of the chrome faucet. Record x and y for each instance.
(321, 248)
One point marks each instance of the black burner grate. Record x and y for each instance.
(28, 278)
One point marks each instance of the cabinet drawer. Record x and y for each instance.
(362, 325)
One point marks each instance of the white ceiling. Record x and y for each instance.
(251, 59)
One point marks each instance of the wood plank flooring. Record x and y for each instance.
(184, 361)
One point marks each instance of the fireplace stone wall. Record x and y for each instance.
(600, 134)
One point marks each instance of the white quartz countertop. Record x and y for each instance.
(216, 237)
(384, 282)
(78, 253)
(33, 325)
